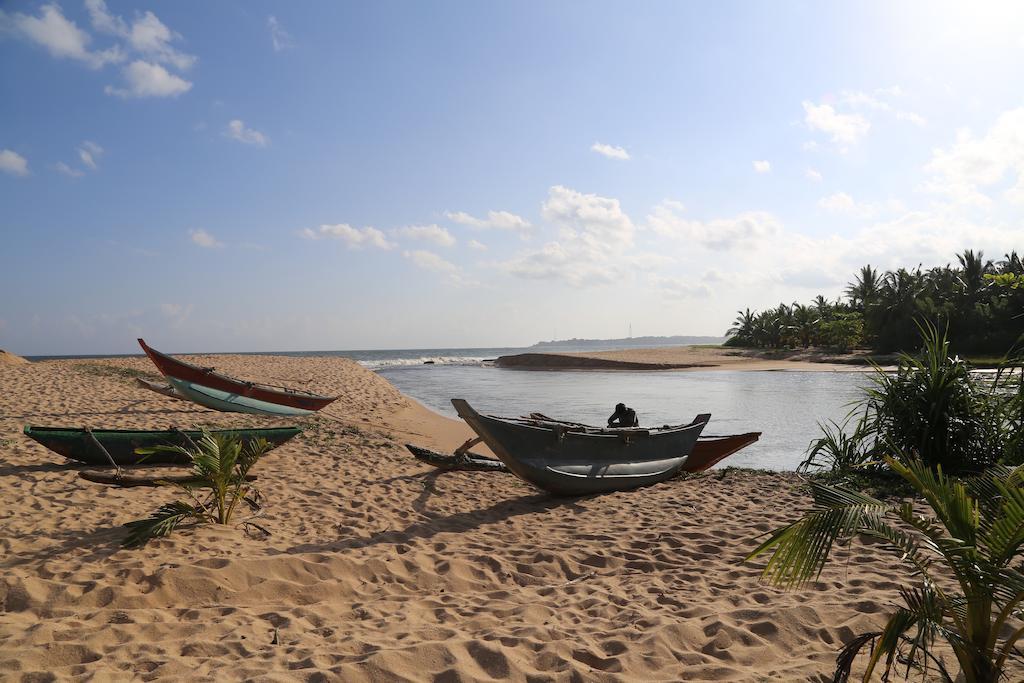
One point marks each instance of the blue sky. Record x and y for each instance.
(297, 176)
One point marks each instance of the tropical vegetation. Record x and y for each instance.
(932, 408)
(980, 302)
(221, 464)
(964, 557)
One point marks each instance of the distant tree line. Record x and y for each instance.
(979, 302)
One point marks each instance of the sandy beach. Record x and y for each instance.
(380, 568)
(681, 358)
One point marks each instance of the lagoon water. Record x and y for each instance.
(785, 406)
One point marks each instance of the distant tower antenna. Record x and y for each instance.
(631, 330)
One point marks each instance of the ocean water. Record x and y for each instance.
(785, 406)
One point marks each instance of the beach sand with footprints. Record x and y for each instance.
(379, 568)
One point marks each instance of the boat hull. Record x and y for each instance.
(231, 402)
(574, 463)
(75, 444)
(711, 450)
(174, 369)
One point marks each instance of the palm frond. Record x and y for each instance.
(161, 523)
(802, 548)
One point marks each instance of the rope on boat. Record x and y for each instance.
(96, 442)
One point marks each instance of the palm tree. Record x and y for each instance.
(805, 323)
(221, 464)
(975, 535)
(974, 268)
(742, 326)
(865, 288)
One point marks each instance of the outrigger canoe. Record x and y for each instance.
(220, 392)
(87, 446)
(160, 388)
(570, 461)
(709, 451)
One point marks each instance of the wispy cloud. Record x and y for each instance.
(813, 175)
(430, 233)
(149, 80)
(236, 130)
(501, 220)
(62, 38)
(354, 238)
(610, 151)
(204, 239)
(844, 129)
(61, 167)
(965, 170)
(762, 166)
(13, 163)
(279, 38)
(428, 260)
(145, 37)
(744, 229)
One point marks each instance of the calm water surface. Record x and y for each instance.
(785, 406)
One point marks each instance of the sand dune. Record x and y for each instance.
(380, 568)
(8, 358)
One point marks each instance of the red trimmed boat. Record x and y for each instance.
(220, 392)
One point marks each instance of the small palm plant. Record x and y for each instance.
(969, 594)
(221, 464)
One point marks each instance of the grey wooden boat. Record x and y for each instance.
(571, 461)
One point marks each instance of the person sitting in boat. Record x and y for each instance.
(623, 417)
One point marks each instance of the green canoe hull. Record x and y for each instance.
(75, 444)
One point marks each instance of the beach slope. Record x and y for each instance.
(381, 568)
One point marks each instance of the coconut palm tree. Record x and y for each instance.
(743, 326)
(966, 556)
(805, 323)
(864, 288)
(221, 464)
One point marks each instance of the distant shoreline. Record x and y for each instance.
(684, 358)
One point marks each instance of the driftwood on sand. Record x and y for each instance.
(152, 477)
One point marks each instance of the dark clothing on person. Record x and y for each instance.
(623, 417)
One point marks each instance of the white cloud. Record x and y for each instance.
(13, 163)
(719, 234)
(149, 80)
(354, 238)
(972, 163)
(861, 100)
(428, 260)
(570, 263)
(840, 202)
(813, 175)
(104, 21)
(479, 246)
(204, 239)
(68, 171)
(762, 166)
(598, 221)
(913, 118)
(153, 39)
(61, 37)
(610, 151)
(593, 246)
(279, 38)
(147, 35)
(236, 130)
(177, 314)
(431, 233)
(844, 129)
(89, 152)
(502, 220)
(679, 288)
(843, 203)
